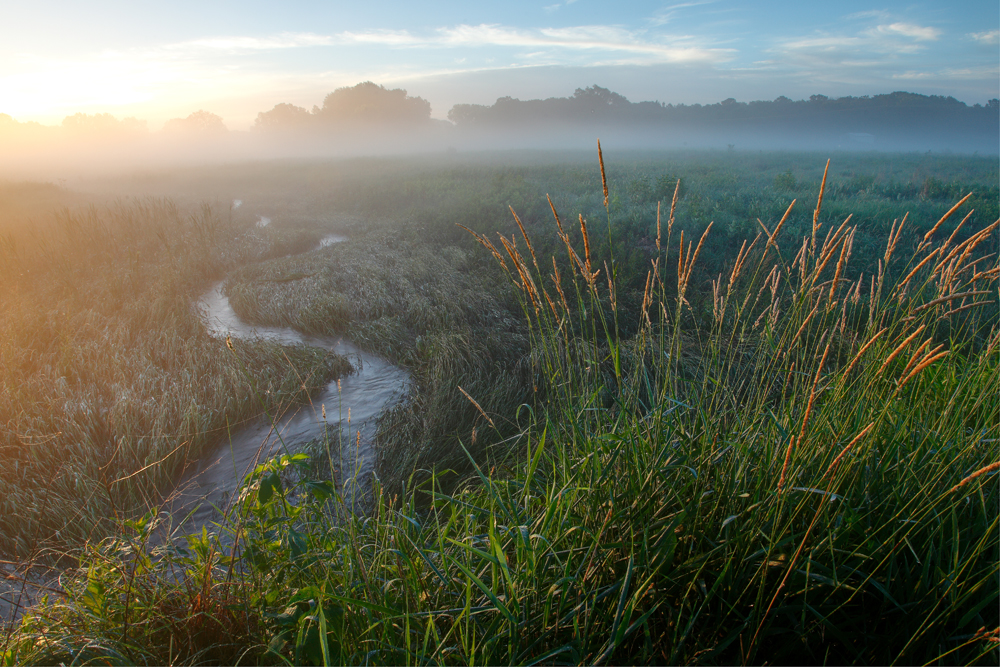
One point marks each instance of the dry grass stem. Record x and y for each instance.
(957, 229)
(833, 235)
(802, 327)
(796, 442)
(586, 250)
(693, 258)
(772, 237)
(524, 234)
(930, 233)
(946, 299)
(905, 281)
(916, 354)
(819, 203)
(478, 407)
(844, 253)
(673, 207)
(921, 366)
(899, 348)
(604, 179)
(483, 241)
(890, 245)
(846, 449)
(982, 471)
(558, 281)
(556, 216)
(972, 241)
(658, 226)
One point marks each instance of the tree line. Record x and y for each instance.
(369, 106)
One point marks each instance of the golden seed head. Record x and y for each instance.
(604, 180)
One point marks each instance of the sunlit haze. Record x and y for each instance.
(157, 61)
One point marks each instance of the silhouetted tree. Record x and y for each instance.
(201, 122)
(370, 103)
(283, 118)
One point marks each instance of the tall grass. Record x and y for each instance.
(110, 383)
(803, 471)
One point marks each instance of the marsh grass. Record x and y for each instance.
(804, 471)
(110, 383)
(445, 315)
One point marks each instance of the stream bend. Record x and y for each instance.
(376, 385)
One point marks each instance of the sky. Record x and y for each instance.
(160, 60)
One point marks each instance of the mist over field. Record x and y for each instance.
(369, 119)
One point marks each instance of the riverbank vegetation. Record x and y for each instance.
(677, 434)
(111, 383)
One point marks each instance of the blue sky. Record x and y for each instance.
(157, 60)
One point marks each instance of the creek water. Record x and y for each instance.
(352, 406)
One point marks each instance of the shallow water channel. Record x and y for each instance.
(353, 404)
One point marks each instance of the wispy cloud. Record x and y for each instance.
(918, 32)
(950, 74)
(883, 50)
(665, 15)
(234, 44)
(825, 43)
(577, 38)
(384, 37)
(869, 14)
(551, 9)
(988, 37)
(878, 45)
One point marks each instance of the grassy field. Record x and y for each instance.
(110, 382)
(684, 436)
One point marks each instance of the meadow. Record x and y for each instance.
(667, 416)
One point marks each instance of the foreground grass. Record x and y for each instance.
(806, 473)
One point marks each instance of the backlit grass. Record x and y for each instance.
(799, 466)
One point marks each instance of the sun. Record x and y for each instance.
(48, 90)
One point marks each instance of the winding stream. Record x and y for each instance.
(375, 386)
(210, 482)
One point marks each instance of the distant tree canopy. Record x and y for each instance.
(9, 127)
(845, 114)
(283, 117)
(587, 105)
(80, 127)
(366, 104)
(201, 123)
